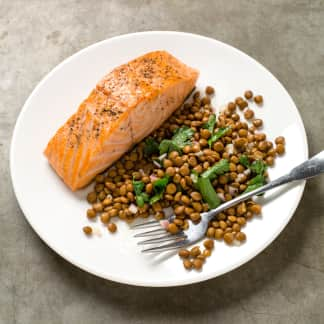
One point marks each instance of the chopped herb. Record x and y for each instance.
(210, 125)
(138, 187)
(217, 169)
(216, 136)
(253, 187)
(256, 182)
(182, 136)
(141, 197)
(203, 184)
(258, 167)
(151, 147)
(179, 140)
(194, 177)
(244, 160)
(158, 189)
(167, 146)
(208, 192)
(257, 179)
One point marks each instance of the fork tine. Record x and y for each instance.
(151, 233)
(145, 224)
(166, 247)
(165, 238)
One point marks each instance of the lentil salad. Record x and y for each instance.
(192, 163)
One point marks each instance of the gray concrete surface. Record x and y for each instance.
(285, 284)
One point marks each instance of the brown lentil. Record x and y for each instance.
(171, 188)
(92, 197)
(187, 264)
(97, 207)
(257, 123)
(178, 222)
(99, 187)
(236, 227)
(248, 114)
(104, 217)
(255, 209)
(223, 179)
(205, 101)
(113, 212)
(167, 163)
(170, 171)
(209, 244)
(241, 221)
(280, 140)
(205, 133)
(228, 238)
(172, 228)
(195, 251)
(242, 104)
(262, 146)
(248, 94)
(176, 178)
(185, 199)
(219, 233)
(197, 263)
(269, 160)
(194, 216)
(177, 196)
(201, 257)
(258, 99)
(91, 213)
(108, 201)
(215, 224)
(210, 232)
(184, 170)
(203, 142)
(232, 218)
(183, 253)
(240, 142)
(280, 149)
(240, 236)
(209, 90)
(87, 230)
(260, 137)
(186, 149)
(231, 106)
(112, 228)
(195, 148)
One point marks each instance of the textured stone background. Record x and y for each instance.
(284, 284)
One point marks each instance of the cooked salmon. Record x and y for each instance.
(128, 104)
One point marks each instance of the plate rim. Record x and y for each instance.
(151, 283)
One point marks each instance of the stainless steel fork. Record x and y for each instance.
(195, 232)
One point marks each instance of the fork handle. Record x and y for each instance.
(305, 170)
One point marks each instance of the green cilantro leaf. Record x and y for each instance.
(244, 160)
(158, 189)
(179, 140)
(210, 125)
(258, 167)
(217, 169)
(151, 147)
(141, 197)
(216, 136)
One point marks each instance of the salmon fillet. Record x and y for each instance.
(128, 104)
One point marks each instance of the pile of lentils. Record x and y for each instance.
(114, 195)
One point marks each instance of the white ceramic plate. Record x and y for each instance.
(58, 215)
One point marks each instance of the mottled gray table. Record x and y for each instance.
(284, 284)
